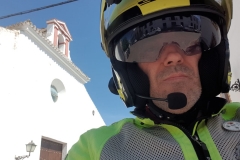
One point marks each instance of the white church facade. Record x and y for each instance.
(234, 44)
(43, 97)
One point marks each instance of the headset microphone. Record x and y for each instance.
(175, 100)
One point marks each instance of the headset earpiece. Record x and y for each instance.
(112, 86)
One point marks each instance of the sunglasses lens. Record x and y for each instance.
(145, 42)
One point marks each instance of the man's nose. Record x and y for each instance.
(172, 55)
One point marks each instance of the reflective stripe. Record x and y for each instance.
(184, 142)
(205, 137)
(194, 128)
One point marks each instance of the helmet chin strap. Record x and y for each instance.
(175, 100)
(202, 109)
(161, 114)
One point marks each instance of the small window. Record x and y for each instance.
(54, 93)
(57, 91)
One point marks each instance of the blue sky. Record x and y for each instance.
(82, 20)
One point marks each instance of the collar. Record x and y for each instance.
(201, 110)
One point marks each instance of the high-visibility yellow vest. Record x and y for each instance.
(218, 137)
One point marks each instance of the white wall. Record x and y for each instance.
(234, 41)
(27, 109)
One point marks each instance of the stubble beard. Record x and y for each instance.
(191, 88)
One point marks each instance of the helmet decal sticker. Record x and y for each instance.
(145, 2)
(236, 86)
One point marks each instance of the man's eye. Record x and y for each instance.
(194, 49)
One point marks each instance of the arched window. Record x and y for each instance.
(61, 43)
(57, 90)
(54, 93)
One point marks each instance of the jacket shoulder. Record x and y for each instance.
(90, 143)
(231, 110)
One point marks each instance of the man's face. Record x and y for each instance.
(173, 72)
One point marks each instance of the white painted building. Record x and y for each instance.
(43, 97)
(234, 42)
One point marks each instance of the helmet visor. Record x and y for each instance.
(144, 43)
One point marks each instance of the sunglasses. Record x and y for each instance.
(144, 43)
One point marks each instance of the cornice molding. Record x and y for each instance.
(33, 32)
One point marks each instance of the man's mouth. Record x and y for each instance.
(177, 76)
